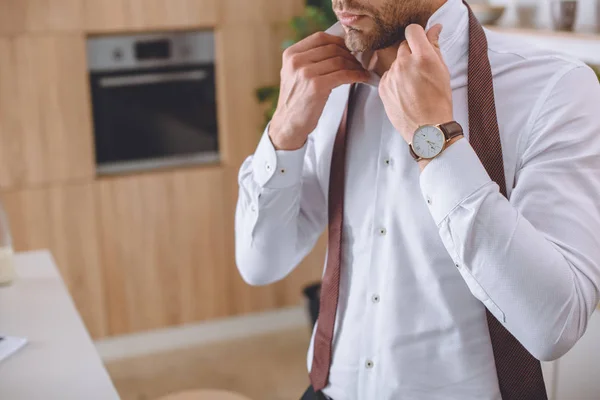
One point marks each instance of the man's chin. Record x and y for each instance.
(357, 41)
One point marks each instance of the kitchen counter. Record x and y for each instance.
(60, 360)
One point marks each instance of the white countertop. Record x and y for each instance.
(60, 361)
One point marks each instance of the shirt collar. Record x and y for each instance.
(454, 40)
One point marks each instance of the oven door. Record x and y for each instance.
(154, 118)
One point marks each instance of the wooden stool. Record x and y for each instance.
(205, 394)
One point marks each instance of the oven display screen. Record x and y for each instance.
(156, 49)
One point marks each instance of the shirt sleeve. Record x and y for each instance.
(281, 211)
(533, 260)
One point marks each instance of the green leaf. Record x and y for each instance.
(287, 43)
(299, 26)
(266, 92)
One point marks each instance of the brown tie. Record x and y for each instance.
(519, 373)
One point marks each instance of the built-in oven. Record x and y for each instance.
(154, 100)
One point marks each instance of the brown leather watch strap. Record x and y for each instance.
(413, 154)
(451, 130)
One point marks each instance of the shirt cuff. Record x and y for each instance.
(277, 169)
(451, 178)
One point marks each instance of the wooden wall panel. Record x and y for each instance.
(164, 246)
(249, 57)
(12, 167)
(12, 16)
(46, 117)
(74, 242)
(28, 214)
(53, 15)
(63, 220)
(147, 15)
(20, 16)
(259, 11)
(54, 105)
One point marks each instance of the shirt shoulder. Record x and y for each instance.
(538, 90)
(513, 50)
(528, 75)
(526, 72)
(525, 75)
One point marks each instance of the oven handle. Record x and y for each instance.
(136, 80)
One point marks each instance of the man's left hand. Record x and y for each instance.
(416, 90)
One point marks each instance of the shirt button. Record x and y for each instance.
(282, 170)
(375, 298)
(429, 201)
(457, 265)
(387, 162)
(369, 364)
(382, 231)
(268, 167)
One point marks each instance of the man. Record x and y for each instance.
(456, 263)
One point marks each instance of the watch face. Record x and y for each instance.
(428, 141)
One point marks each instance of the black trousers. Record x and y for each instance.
(311, 395)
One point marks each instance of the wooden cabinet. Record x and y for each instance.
(50, 16)
(148, 15)
(260, 11)
(63, 219)
(167, 244)
(19, 16)
(12, 165)
(164, 245)
(45, 129)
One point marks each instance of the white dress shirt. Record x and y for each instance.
(426, 253)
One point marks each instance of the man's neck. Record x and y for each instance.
(381, 61)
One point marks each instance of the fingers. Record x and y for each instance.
(323, 53)
(404, 49)
(417, 40)
(433, 35)
(316, 40)
(338, 78)
(331, 65)
(326, 61)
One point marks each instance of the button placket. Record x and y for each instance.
(368, 379)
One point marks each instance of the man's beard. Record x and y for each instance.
(390, 22)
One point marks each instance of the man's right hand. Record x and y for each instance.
(312, 68)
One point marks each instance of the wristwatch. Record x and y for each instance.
(429, 141)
